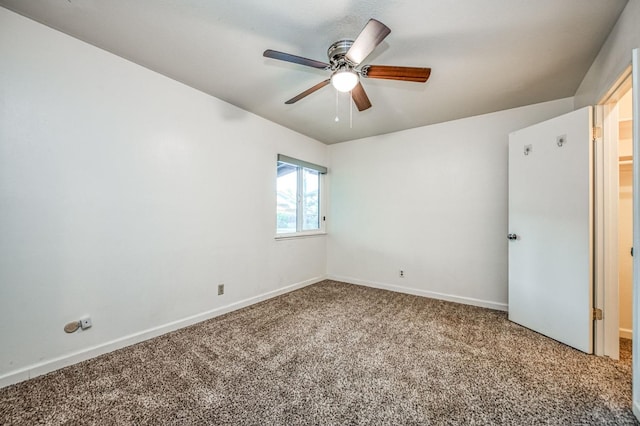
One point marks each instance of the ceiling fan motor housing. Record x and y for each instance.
(337, 52)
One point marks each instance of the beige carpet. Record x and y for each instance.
(335, 354)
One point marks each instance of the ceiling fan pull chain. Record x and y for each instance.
(337, 118)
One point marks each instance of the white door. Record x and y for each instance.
(550, 228)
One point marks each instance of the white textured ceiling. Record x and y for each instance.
(485, 55)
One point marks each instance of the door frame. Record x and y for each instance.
(635, 369)
(606, 270)
(605, 292)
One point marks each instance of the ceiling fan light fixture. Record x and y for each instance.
(344, 80)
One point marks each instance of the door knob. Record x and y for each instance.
(512, 236)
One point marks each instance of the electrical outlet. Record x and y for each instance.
(401, 273)
(220, 289)
(85, 323)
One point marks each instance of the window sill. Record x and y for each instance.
(300, 235)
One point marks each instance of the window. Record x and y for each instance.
(298, 191)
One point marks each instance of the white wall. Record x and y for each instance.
(431, 201)
(614, 57)
(127, 196)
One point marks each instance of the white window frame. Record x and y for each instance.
(301, 165)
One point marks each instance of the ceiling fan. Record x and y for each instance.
(345, 59)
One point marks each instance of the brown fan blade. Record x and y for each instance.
(368, 39)
(360, 98)
(281, 56)
(418, 75)
(308, 91)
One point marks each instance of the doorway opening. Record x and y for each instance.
(625, 223)
(614, 335)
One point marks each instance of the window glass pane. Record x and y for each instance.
(286, 188)
(298, 197)
(310, 200)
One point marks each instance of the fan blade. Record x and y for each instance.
(274, 54)
(368, 39)
(308, 91)
(418, 75)
(360, 98)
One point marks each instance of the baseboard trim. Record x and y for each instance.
(625, 333)
(424, 293)
(48, 366)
